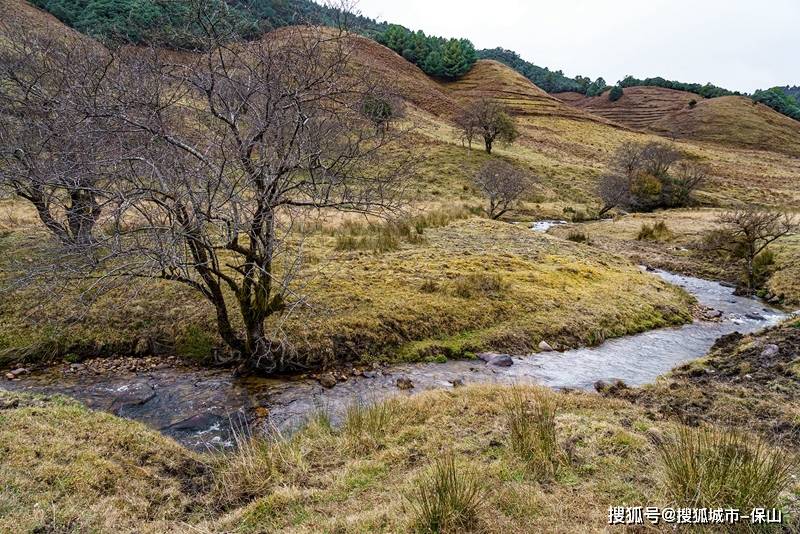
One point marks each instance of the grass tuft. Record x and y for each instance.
(578, 237)
(723, 468)
(657, 232)
(446, 499)
(478, 284)
(366, 424)
(531, 421)
(390, 235)
(246, 473)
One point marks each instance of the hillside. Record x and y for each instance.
(638, 108)
(407, 79)
(16, 14)
(492, 79)
(733, 120)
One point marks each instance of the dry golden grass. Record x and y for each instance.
(121, 477)
(677, 251)
(638, 108)
(733, 120)
(67, 469)
(370, 305)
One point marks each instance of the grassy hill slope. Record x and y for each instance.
(492, 79)
(18, 14)
(733, 120)
(638, 108)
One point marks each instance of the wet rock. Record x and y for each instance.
(727, 284)
(711, 314)
(10, 376)
(19, 371)
(195, 423)
(327, 380)
(487, 356)
(501, 360)
(369, 374)
(755, 317)
(544, 346)
(457, 383)
(770, 350)
(404, 382)
(775, 300)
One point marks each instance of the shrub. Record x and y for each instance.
(578, 237)
(472, 285)
(579, 216)
(658, 232)
(615, 93)
(531, 421)
(763, 266)
(446, 499)
(692, 103)
(709, 468)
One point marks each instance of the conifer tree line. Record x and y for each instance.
(436, 56)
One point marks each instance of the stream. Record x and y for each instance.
(199, 406)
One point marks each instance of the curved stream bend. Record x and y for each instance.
(197, 406)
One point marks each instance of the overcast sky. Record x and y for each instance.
(737, 44)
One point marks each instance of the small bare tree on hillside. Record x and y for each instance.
(614, 190)
(503, 184)
(488, 120)
(744, 237)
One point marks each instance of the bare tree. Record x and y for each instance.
(614, 191)
(219, 157)
(745, 234)
(488, 120)
(503, 184)
(684, 179)
(54, 152)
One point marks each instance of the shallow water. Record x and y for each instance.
(198, 406)
(545, 225)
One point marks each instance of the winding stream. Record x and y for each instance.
(198, 406)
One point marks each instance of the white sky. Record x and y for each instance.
(737, 44)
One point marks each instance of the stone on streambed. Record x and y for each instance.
(327, 380)
(755, 317)
(495, 358)
(501, 360)
(404, 382)
(770, 350)
(544, 346)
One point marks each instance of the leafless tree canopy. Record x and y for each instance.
(488, 120)
(54, 151)
(503, 184)
(644, 177)
(199, 169)
(745, 234)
